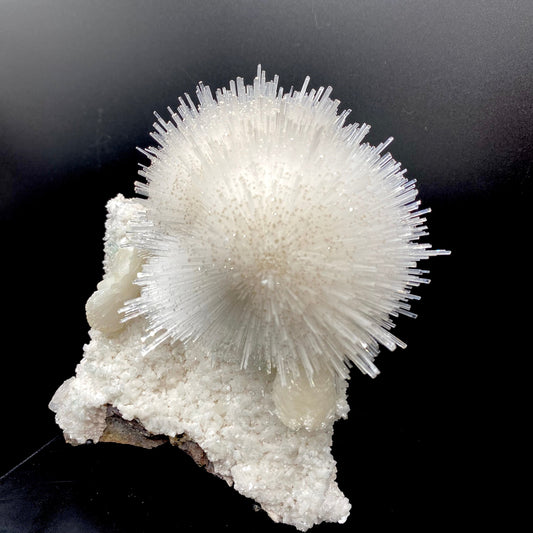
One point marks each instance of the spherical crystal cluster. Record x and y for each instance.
(273, 234)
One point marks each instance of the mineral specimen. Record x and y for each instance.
(268, 255)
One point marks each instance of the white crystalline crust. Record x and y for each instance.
(229, 412)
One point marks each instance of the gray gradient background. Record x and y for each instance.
(450, 80)
(80, 79)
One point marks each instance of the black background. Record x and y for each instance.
(427, 442)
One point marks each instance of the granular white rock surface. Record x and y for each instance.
(227, 411)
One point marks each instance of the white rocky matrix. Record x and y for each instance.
(229, 412)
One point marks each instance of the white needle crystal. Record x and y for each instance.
(270, 252)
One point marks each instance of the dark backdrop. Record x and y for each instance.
(450, 80)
